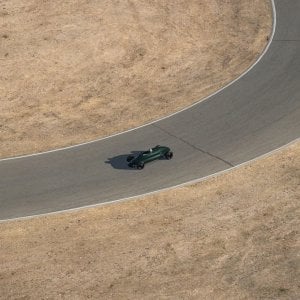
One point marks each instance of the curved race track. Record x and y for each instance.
(256, 114)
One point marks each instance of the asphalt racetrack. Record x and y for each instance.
(256, 114)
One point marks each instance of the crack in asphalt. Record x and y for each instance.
(195, 147)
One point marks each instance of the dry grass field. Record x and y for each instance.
(73, 71)
(235, 236)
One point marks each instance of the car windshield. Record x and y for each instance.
(148, 151)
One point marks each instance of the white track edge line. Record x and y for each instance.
(194, 181)
(168, 116)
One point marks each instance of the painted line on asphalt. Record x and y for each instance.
(194, 181)
(168, 116)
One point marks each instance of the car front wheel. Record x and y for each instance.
(169, 155)
(140, 166)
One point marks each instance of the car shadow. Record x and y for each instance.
(120, 162)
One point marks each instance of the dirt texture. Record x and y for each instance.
(235, 236)
(73, 71)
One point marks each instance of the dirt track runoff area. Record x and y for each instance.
(73, 71)
(235, 236)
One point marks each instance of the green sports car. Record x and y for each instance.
(144, 157)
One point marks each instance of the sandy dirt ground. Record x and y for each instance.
(235, 236)
(73, 71)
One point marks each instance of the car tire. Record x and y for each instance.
(169, 155)
(140, 166)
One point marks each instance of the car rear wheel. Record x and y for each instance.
(169, 155)
(140, 166)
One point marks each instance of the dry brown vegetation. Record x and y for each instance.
(235, 236)
(73, 71)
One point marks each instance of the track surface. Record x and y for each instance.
(257, 114)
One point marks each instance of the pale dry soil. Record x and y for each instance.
(235, 236)
(73, 71)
